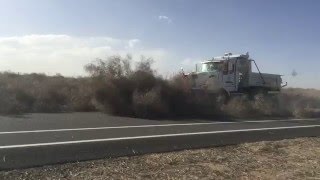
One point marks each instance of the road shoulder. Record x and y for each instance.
(286, 159)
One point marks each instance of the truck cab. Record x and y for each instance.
(232, 74)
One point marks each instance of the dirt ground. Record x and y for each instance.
(286, 159)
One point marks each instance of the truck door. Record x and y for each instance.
(229, 78)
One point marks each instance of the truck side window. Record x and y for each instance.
(231, 71)
(228, 68)
(225, 68)
(231, 68)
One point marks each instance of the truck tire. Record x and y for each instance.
(222, 98)
(257, 92)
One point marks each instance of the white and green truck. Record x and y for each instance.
(232, 75)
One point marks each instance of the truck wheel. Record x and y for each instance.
(257, 93)
(222, 98)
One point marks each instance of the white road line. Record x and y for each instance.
(151, 136)
(152, 125)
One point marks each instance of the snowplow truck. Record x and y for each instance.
(229, 75)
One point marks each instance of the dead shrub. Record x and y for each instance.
(8, 103)
(149, 104)
(41, 93)
(140, 92)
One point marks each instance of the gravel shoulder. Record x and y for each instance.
(286, 159)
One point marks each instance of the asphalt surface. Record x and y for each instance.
(40, 139)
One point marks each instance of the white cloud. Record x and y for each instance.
(188, 64)
(165, 18)
(66, 54)
(133, 42)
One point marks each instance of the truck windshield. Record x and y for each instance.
(209, 67)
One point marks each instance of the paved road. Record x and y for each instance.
(39, 139)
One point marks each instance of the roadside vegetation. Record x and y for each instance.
(41, 93)
(261, 160)
(119, 87)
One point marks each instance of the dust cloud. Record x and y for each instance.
(140, 92)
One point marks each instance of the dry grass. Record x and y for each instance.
(282, 105)
(313, 93)
(286, 159)
(41, 93)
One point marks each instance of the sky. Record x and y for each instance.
(61, 36)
